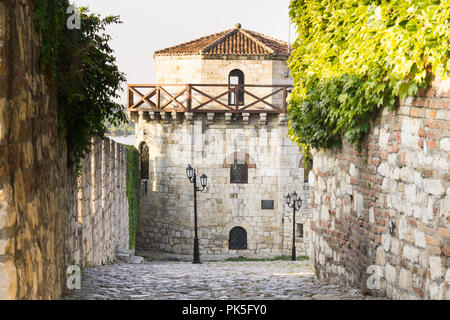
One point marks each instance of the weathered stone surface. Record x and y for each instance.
(211, 142)
(391, 275)
(46, 221)
(35, 183)
(136, 260)
(403, 178)
(162, 280)
(212, 146)
(436, 270)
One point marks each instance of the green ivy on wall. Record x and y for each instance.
(133, 191)
(82, 71)
(353, 57)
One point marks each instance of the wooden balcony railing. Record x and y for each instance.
(218, 98)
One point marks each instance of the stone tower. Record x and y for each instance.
(220, 105)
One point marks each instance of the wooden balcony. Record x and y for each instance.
(209, 98)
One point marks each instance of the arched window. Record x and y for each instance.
(237, 239)
(145, 159)
(236, 77)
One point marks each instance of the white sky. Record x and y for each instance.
(150, 25)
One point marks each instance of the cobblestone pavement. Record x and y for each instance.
(169, 280)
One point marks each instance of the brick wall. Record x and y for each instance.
(402, 176)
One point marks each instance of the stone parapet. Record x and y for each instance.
(143, 117)
(103, 211)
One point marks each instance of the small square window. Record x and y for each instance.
(239, 172)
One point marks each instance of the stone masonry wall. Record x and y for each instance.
(35, 184)
(401, 177)
(211, 143)
(215, 70)
(42, 230)
(102, 220)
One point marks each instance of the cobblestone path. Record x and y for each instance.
(210, 280)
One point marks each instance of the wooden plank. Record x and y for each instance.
(189, 97)
(143, 98)
(211, 99)
(172, 98)
(261, 99)
(130, 98)
(158, 98)
(157, 88)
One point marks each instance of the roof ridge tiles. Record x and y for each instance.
(191, 41)
(234, 41)
(218, 41)
(269, 49)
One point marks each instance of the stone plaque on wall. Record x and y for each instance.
(267, 204)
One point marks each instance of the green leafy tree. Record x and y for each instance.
(82, 70)
(352, 58)
(123, 129)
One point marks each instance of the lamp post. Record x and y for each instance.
(192, 176)
(296, 205)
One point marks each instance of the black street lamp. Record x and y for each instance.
(192, 176)
(296, 204)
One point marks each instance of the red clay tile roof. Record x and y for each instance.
(235, 41)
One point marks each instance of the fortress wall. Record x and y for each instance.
(37, 219)
(167, 214)
(103, 218)
(49, 219)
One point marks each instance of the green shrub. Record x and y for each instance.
(82, 71)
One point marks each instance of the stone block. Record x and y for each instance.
(434, 187)
(386, 242)
(359, 203)
(405, 279)
(263, 118)
(410, 253)
(436, 270)
(371, 215)
(383, 139)
(410, 193)
(380, 256)
(420, 240)
(391, 275)
(384, 169)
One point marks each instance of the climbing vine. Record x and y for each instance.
(133, 191)
(353, 57)
(82, 71)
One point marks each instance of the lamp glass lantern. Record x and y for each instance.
(189, 172)
(203, 180)
(288, 199)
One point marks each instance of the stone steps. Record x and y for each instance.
(128, 256)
